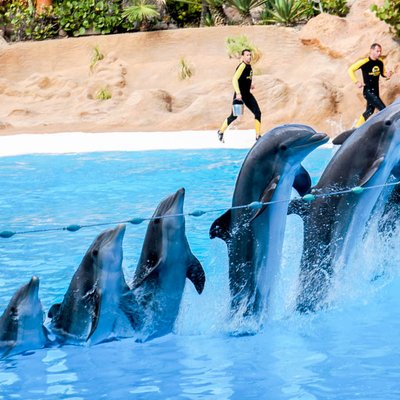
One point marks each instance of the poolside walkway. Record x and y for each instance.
(77, 142)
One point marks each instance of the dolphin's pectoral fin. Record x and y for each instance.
(94, 299)
(371, 171)
(302, 181)
(340, 139)
(149, 269)
(54, 309)
(220, 227)
(266, 196)
(195, 273)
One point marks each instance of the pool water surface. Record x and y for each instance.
(351, 350)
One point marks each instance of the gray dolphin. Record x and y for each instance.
(255, 237)
(93, 309)
(165, 263)
(334, 225)
(21, 325)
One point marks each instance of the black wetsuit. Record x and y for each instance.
(371, 71)
(244, 74)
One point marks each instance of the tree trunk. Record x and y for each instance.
(218, 15)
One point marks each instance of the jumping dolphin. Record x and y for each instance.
(21, 325)
(93, 309)
(334, 225)
(255, 237)
(165, 263)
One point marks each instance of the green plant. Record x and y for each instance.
(25, 24)
(142, 12)
(79, 16)
(184, 13)
(212, 11)
(103, 94)
(334, 7)
(96, 57)
(236, 44)
(389, 13)
(286, 12)
(244, 7)
(185, 72)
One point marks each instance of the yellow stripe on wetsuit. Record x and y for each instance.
(236, 76)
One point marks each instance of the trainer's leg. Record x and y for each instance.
(366, 114)
(373, 101)
(227, 122)
(251, 103)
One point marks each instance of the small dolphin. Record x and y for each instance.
(21, 325)
(93, 309)
(165, 263)
(334, 225)
(255, 237)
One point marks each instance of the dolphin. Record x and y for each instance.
(165, 262)
(334, 225)
(254, 238)
(21, 325)
(94, 308)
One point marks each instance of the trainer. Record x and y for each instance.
(242, 84)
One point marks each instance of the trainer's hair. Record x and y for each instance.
(373, 45)
(244, 50)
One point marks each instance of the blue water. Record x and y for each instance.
(349, 351)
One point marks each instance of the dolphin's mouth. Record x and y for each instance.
(31, 289)
(313, 140)
(118, 232)
(174, 205)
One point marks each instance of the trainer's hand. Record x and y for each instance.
(389, 74)
(239, 97)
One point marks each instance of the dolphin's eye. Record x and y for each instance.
(95, 253)
(283, 147)
(388, 123)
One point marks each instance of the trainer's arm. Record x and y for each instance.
(235, 79)
(353, 68)
(386, 73)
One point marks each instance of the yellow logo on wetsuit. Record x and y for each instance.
(375, 71)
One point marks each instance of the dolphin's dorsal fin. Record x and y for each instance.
(94, 297)
(302, 181)
(267, 195)
(340, 139)
(195, 273)
(54, 309)
(220, 228)
(149, 269)
(371, 171)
